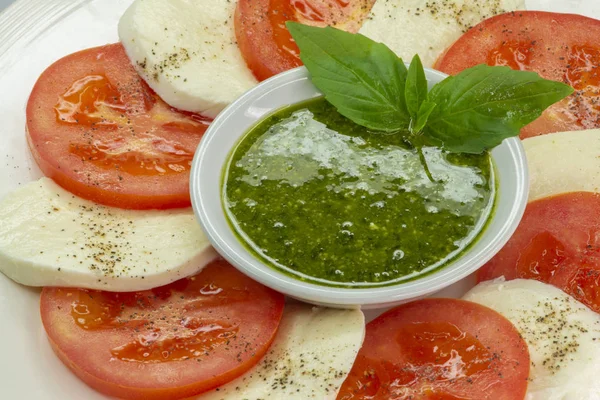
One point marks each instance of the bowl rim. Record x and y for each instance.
(296, 288)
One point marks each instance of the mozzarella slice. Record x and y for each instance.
(563, 162)
(428, 27)
(310, 357)
(562, 334)
(187, 52)
(49, 237)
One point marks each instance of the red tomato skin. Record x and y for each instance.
(257, 42)
(268, 48)
(381, 349)
(542, 42)
(167, 380)
(107, 197)
(564, 231)
(49, 140)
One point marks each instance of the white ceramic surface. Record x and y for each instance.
(33, 34)
(5, 3)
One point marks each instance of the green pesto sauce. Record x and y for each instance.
(326, 200)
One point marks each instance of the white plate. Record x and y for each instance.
(33, 34)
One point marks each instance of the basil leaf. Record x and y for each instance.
(483, 105)
(416, 87)
(423, 114)
(363, 79)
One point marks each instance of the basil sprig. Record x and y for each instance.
(416, 90)
(469, 113)
(363, 79)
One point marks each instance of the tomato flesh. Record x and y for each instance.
(265, 42)
(443, 349)
(561, 47)
(166, 343)
(433, 350)
(557, 242)
(279, 14)
(90, 100)
(98, 130)
(516, 55)
(542, 259)
(193, 337)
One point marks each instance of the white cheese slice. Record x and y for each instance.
(312, 354)
(562, 334)
(428, 27)
(49, 237)
(563, 162)
(187, 52)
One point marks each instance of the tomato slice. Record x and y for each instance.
(97, 129)
(439, 349)
(167, 343)
(266, 44)
(557, 242)
(561, 47)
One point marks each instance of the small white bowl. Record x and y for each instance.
(295, 86)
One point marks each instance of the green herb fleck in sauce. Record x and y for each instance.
(322, 198)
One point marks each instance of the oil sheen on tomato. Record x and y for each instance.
(158, 339)
(315, 195)
(435, 353)
(343, 14)
(93, 101)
